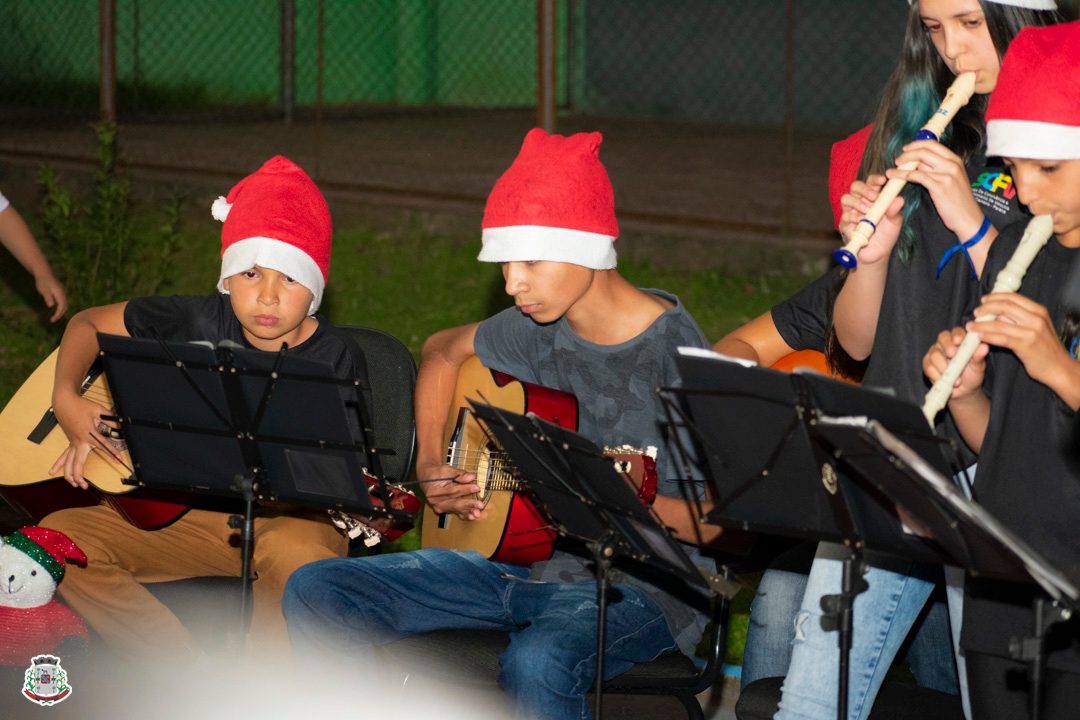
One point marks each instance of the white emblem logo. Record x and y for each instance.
(46, 682)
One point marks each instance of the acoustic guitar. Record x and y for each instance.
(513, 530)
(31, 439)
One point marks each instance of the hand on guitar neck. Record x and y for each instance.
(451, 490)
(89, 428)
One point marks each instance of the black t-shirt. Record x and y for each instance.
(916, 306)
(186, 318)
(803, 319)
(1029, 467)
(190, 318)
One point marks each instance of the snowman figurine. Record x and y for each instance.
(31, 622)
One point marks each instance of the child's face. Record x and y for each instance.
(546, 290)
(1050, 187)
(959, 32)
(270, 306)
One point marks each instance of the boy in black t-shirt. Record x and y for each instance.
(276, 242)
(1016, 402)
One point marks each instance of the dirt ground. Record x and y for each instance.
(687, 195)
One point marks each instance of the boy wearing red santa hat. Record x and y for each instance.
(577, 326)
(276, 241)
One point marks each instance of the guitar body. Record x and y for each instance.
(32, 440)
(513, 531)
(806, 359)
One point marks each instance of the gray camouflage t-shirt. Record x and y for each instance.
(615, 386)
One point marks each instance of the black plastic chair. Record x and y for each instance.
(392, 374)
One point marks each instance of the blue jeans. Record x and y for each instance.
(345, 606)
(883, 615)
(776, 606)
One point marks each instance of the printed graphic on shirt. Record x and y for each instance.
(994, 190)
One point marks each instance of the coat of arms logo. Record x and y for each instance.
(46, 682)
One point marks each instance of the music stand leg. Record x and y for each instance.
(1032, 650)
(603, 553)
(246, 486)
(841, 607)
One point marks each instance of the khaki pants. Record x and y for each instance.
(109, 594)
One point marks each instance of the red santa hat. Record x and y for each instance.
(276, 218)
(844, 161)
(47, 547)
(554, 202)
(1034, 111)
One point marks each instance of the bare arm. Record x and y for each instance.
(445, 488)
(757, 340)
(858, 304)
(78, 417)
(17, 238)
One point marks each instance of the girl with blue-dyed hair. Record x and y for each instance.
(917, 274)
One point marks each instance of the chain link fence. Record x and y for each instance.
(765, 63)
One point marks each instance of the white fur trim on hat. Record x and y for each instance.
(1032, 140)
(538, 242)
(275, 255)
(1029, 4)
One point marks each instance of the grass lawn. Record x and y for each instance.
(408, 284)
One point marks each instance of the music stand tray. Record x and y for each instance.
(228, 421)
(771, 469)
(195, 417)
(933, 507)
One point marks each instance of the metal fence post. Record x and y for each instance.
(789, 119)
(107, 60)
(288, 59)
(546, 95)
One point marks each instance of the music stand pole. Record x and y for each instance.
(841, 606)
(1032, 650)
(602, 552)
(247, 486)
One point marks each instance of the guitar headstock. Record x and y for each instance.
(638, 466)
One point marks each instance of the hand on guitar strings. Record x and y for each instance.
(89, 428)
(451, 490)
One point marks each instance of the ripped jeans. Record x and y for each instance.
(883, 615)
(343, 607)
(929, 653)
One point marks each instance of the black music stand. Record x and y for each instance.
(772, 471)
(802, 455)
(967, 533)
(234, 422)
(587, 499)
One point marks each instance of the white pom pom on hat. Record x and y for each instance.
(220, 209)
(276, 218)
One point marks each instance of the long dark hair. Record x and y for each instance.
(916, 89)
(913, 92)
